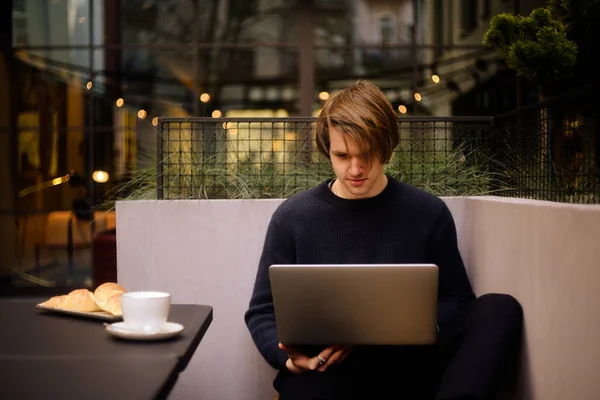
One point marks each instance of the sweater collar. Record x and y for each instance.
(323, 191)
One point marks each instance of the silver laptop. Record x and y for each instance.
(361, 304)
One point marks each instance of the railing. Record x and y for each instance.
(548, 151)
(277, 157)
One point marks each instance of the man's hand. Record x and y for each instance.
(298, 362)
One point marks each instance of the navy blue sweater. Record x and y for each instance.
(402, 224)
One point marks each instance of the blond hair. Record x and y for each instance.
(364, 113)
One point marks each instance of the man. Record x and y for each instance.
(364, 216)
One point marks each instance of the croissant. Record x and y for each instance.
(77, 300)
(108, 297)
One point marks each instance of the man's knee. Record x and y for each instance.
(502, 308)
(500, 302)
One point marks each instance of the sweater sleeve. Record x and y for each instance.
(454, 287)
(260, 317)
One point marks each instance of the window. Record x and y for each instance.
(20, 31)
(438, 35)
(386, 30)
(487, 9)
(469, 16)
(19, 23)
(19, 5)
(330, 4)
(125, 144)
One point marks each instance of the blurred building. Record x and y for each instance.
(84, 81)
(470, 79)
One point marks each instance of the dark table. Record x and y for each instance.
(52, 356)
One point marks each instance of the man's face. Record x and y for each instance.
(357, 178)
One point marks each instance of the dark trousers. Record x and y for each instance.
(474, 361)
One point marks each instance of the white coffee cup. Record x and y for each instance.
(145, 312)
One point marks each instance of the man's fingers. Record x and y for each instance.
(285, 348)
(345, 351)
(324, 355)
(289, 350)
(292, 367)
(336, 357)
(305, 363)
(298, 362)
(333, 358)
(324, 359)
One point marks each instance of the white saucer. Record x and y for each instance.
(120, 329)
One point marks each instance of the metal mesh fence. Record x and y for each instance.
(546, 151)
(272, 158)
(549, 151)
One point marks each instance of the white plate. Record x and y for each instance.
(120, 330)
(103, 315)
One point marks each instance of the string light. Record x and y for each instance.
(402, 108)
(217, 114)
(142, 114)
(418, 96)
(205, 97)
(435, 77)
(100, 176)
(323, 96)
(120, 102)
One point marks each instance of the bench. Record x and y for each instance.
(544, 254)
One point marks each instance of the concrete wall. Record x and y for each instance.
(206, 252)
